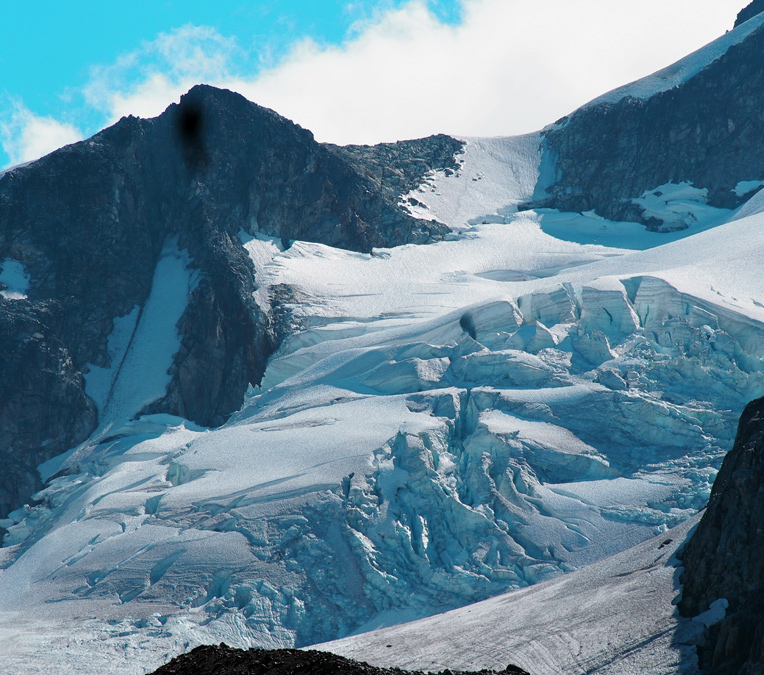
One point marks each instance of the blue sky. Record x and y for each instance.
(351, 70)
(47, 47)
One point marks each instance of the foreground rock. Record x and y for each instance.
(724, 561)
(224, 660)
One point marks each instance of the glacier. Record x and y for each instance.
(448, 422)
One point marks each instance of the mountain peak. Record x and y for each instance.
(90, 224)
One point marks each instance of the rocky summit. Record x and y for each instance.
(89, 224)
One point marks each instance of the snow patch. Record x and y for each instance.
(143, 343)
(100, 381)
(715, 613)
(14, 277)
(745, 187)
(680, 206)
(495, 175)
(262, 250)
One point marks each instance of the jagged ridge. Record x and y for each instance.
(89, 223)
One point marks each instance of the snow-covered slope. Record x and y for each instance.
(615, 616)
(684, 69)
(452, 421)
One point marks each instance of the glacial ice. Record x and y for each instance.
(419, 476)
(550, 307)
(616, 616)
(606, 309)
(452, 422)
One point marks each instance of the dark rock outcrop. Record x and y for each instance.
(89, 223)
(724, 558)
(38, 382)
(398, 168)
(224, 660)
(749, 11)
(707, 131)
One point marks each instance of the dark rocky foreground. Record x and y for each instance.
(224, 660)
(725, 557)
(707, 131)
(89, 223)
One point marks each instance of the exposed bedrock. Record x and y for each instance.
(38, 383)
(401, 167)
(88, 225)
(749, 11)
(705, 131)
(723, 560)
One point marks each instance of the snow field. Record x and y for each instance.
(684, 69)
(453, 421)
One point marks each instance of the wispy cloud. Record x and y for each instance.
(146, 80)
(26, 136)
(509, 66)
(505, 67)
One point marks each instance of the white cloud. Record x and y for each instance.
(146, 81)
(510, 66)
(26, 136)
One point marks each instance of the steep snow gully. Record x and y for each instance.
(514, 408)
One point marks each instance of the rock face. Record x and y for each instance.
(748, 12)
(88, 225)
(706, 131)
(724, 557)
(223, 660)
(44, 407)
(398, 168)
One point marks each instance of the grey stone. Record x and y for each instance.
(724, 557)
